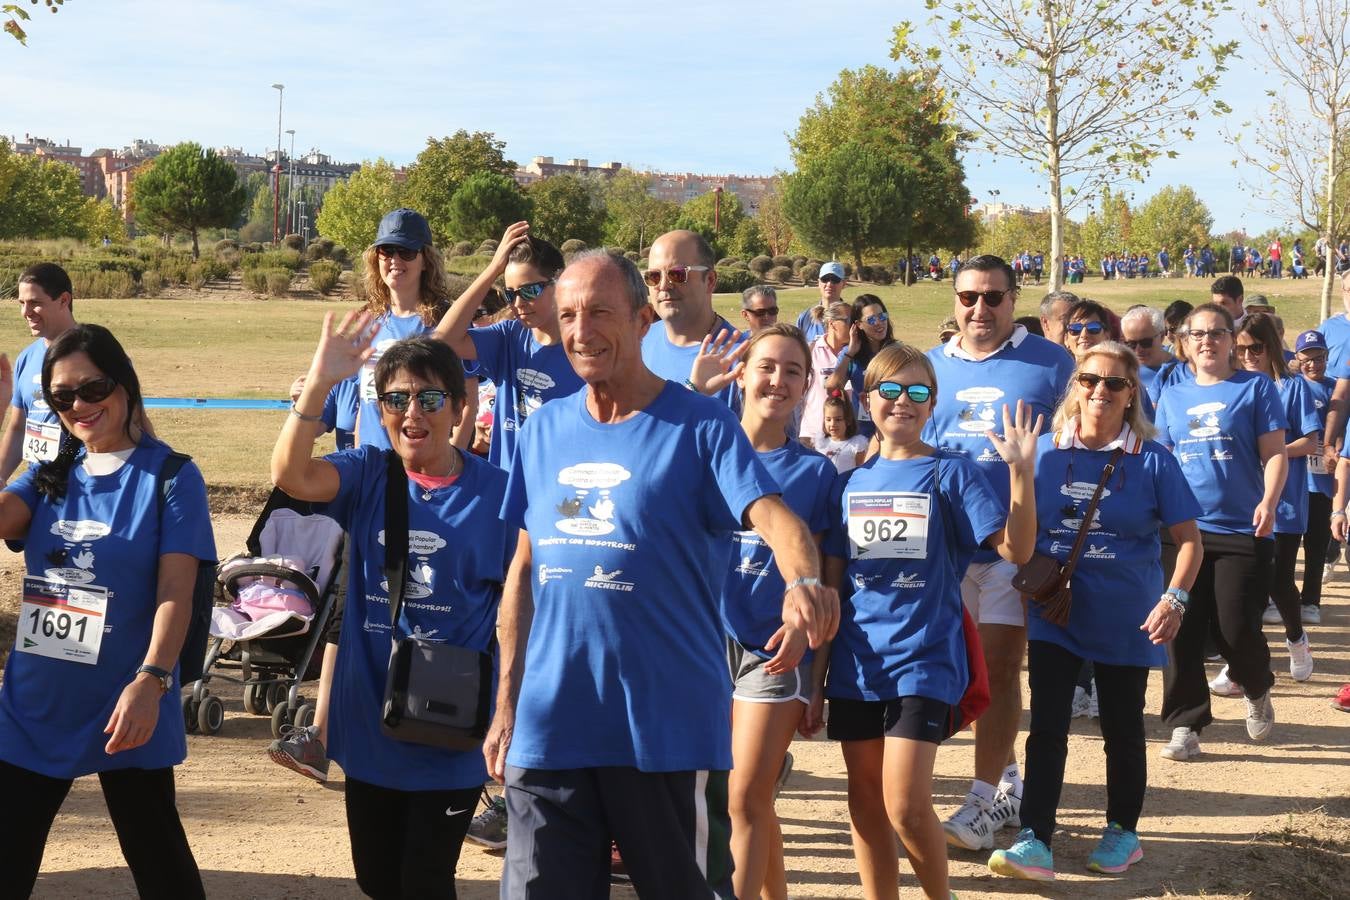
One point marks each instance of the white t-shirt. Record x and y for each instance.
(844, 454)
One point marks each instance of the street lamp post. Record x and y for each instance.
(290, 186)
(276, 172)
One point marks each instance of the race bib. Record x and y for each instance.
(888, 524)
(41, 441)
(61, 621)
(1317, 463)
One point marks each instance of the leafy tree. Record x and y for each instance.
(444, 165)
(352, 209)
(700, 214)
(1084, 91)
(1171, 218)
(15, 12)
(567, 207)
(39, 197)
(484, 205)
(186, 189)
(102, 218)
(1109, 228)
(634, 218)
(748, 240)
(774, 226)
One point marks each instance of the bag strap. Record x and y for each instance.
(173, 464)
(395, 533)
(1091, 510)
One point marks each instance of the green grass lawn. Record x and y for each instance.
(227, 344)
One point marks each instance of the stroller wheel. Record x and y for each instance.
(304, 716)
(255, 699)
(276, 694)
(189, 714)
(211, 715)
(280, 716)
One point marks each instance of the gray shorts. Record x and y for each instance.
(754, 685)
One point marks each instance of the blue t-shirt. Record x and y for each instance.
(96, 549)
(1319, 479)
(457, 555)
(812, 327)
(971, 396)
(630, 528)
(42, 428)
(1336, 330)
(339, 411)
(1119, 576)
(900, 631)
(527, 375)
(752, 597)
(1172, 372)
(673, 363)
(391, 330)
(1213, 430)
(1291, 513)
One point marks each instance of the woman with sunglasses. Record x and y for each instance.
(1120, 620)
(1089, 324)
(769, 696)
(1259, 349)
(408, 805)
(1226, 427)
(827, 352)
(903, 529)
(522, 356)
(111, 563)
(869, 335)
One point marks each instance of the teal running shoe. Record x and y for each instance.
(1118, 850)
(1027, 858)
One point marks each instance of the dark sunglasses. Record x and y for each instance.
(990, 298)
(482, 312)
(891, 390)
(389, 251)
(675, 274)
(878, 319)
(1256, 349)
(527, 292)
(398, 401)
(91, 391)
(761, 313)
(1141, 344)
(1114, 383)
(1077, 328)
(830, 279)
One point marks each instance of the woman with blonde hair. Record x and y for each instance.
(1120, 618)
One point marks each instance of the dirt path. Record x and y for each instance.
(262, 832)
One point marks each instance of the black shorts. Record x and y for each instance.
(915, 718)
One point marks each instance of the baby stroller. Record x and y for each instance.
(278, 599)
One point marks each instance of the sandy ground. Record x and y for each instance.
(1265, 821)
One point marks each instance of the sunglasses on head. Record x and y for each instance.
(990, 298)
(761, 313)
(1141, 344)
(527, 292)
(1077, 328)
(877, 319)
(430, 400)
(1114, 383)
(389, 251)
(675, 274)
(830, 279)
(91, 391)
(891, 390)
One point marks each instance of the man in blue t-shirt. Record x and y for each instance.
(992, 363)
(613, 709)
(832, 283)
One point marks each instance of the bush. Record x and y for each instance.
(323, 276)
(865, 273)
(783, 261)
(273, 259)
(255, 280)
(230, 259)
(733, 281)
(318, 249)
(572, 245)
(253, 247)
(462, 248)
(615, 251)
(632, 256)
(729, 262)
(642, 263)
(152, 283)
(761, 264)
(488, 247)
(848, 269)
(88, 283)
(809, 272)
(175, 272)
(780, 274)
(227, 244)
(197, 277)
(278, 282)
(340, 255)
(882, 275)
(798, 261)
(294, 242)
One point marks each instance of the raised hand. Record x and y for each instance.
(342, 350)
(718, 362)
(1017, 444)
(511, 237)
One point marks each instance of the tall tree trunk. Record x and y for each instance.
(196, 254)
(1052, 150)
(1329, 216)
(909, 258)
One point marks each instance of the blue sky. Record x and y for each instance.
(698, 86)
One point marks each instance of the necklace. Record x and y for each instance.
(456, 464)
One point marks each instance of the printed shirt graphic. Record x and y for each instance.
(391, 330)
(1300, 411)
(457, 556)
(42, 427)
(104, 536)
(673, 363)
(900, 629)
(1119, 576)
(1320, 478)
(630, 530)
(971, 396)
(527, 375)
(752, 598)
(1213, 430)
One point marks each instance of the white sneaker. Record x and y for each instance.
(1272, 615)
(1223, 686)
(972, 826)
(1300, 658)
(1007, 809)
(1185, 744)
(1081, 702)
(1311, 615)
(1260, 717)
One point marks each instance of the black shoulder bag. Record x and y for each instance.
(435, 694)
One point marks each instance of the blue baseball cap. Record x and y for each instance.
(832, 268)
(1310, 340)
(405, 228)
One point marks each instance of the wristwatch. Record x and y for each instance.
(165, 678)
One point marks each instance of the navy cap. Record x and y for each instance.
(1310, 340)
(404, 228)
